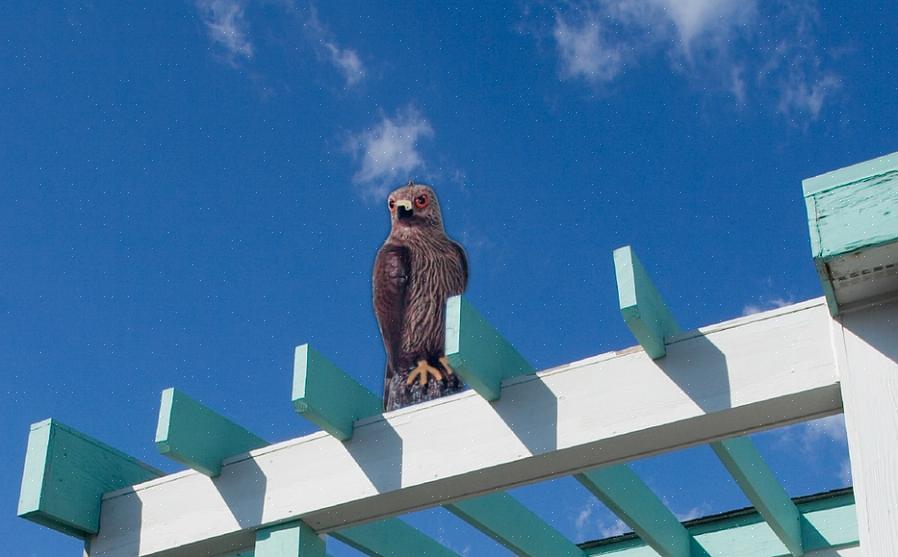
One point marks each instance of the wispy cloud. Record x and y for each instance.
(751, 51)
(346, 60)
(808, 435)
(225, 22)
(764, 304)
(697, 511)
(388, 151)
(591, 525)
(583, 51)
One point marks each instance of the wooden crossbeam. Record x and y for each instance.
(622, 491)
(66, 475)
(652, 323)
(391, 538)
(327, 396)
(745, 464)
(779, 368)
(513, 525)
(198, 437)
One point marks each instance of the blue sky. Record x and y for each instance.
(190, 189)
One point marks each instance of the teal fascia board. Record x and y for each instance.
(293, 539)
(754, 477)
(830, 522)
(627, 496)
(198, 437)
(67, 473)
(327, 396)
(641, 305)
(477, 351)
(513, 525)
(391, 538)
(850, 210)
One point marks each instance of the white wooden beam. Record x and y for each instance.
(738, 376)
(870, 389)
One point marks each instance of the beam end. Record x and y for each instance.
(198, 437)
(67, 473)
(327, 396)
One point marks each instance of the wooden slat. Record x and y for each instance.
(327, 396)
(66, 474)
(510, 523)
(478, 352)
(745, 464)
(622, 491)
(738, 376)
(391, 538)
(198, 437)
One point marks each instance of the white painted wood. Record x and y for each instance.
(739, 376)
(870, 391)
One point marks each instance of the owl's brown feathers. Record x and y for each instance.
(415, 271)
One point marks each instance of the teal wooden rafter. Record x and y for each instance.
(513, 525)
(622, 491)
(391, 538)
(477, 351)
(66, 475)
(198, 437)
(641, 305)
(293, 539)
(745, 464)
(487, 357)
(651, 322)
(327, 396)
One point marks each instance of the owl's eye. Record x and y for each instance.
(421, 201)
(392, 204)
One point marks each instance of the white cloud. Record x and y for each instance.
(584, 53)
(765, 304)
(389, 151)
(751, 51)
(346, 60)
(695, 512)
(590, 526)
(226, 24)
(845, 472)
(807, 436)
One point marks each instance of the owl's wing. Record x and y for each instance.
(464, 264)
(390, 281)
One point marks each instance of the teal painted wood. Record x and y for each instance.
(293, 539)
(850, 174)
(513, 525)
(828, 523)
(855, 216)
(477, 352)
(66, 475)
(621, 490)
(327, 396)
(197, 436)
(641, 305)
(754, 477)
(391, 538)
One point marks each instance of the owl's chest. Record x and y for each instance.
(435, 273)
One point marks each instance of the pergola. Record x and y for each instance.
(242, 496)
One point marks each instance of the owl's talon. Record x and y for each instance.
(422, 372)
(445, 361)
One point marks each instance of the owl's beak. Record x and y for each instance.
(404, 208)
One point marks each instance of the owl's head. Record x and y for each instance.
(414, 206)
